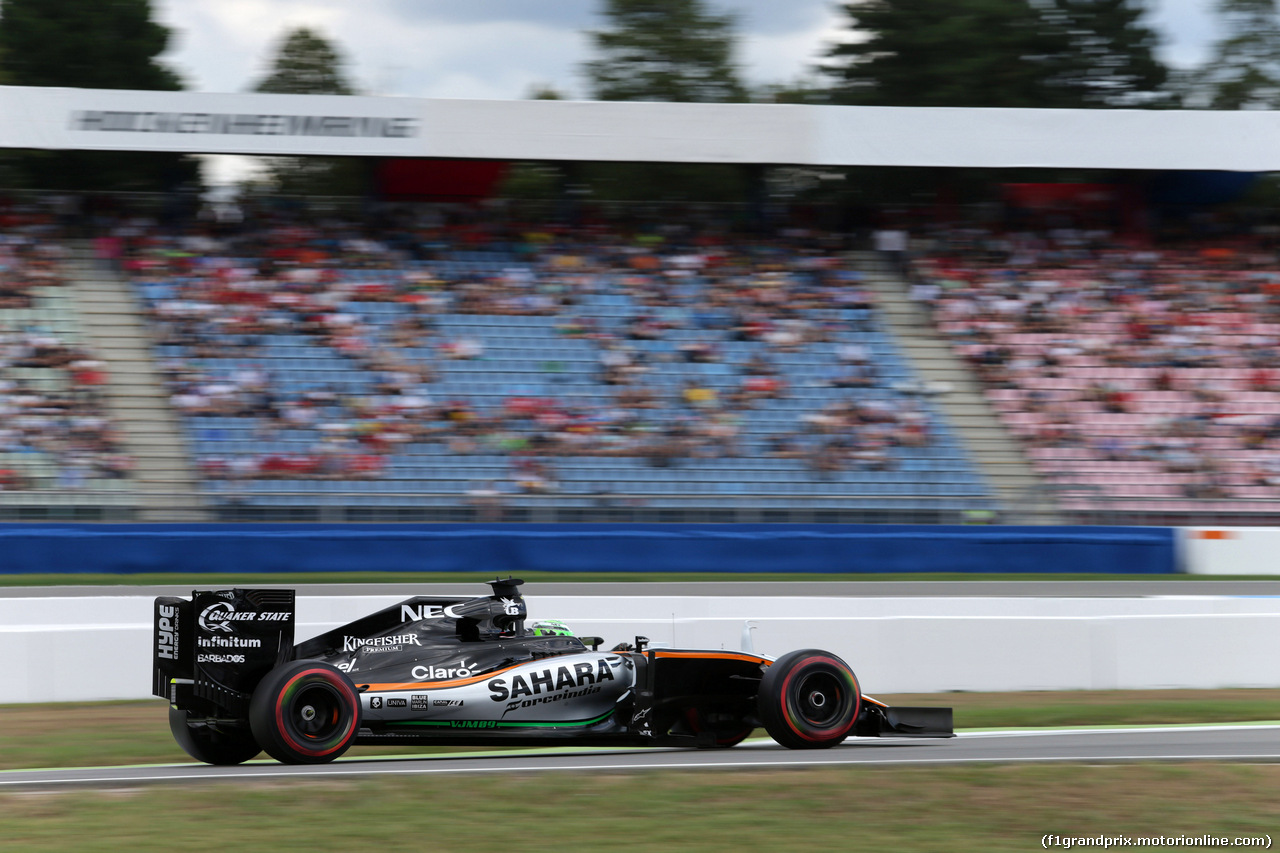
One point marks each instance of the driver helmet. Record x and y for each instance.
(550, 628)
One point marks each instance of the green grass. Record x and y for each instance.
(1038, 709)
(117, 733)
(955, 810)
(228, 579)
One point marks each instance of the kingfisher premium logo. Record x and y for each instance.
(351, 644)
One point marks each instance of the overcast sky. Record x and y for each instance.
(502, 48)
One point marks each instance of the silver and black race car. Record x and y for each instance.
(470, 671)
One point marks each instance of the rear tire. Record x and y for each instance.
(305, 712)
(809, 699)
(211, 746)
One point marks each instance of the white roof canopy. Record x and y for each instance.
(106, 119)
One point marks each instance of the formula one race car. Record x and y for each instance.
(469, 671)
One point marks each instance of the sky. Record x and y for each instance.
(505, 48)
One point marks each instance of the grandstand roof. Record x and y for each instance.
(251, 123)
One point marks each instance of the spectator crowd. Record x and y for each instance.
(1129, 370)
(725, 315)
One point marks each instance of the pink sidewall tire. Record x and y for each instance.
(305, 712)
(809, 699)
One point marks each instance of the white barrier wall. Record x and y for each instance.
(82, 649)
(1229, 550)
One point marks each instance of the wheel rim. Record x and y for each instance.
(820, 698)
(315, 712)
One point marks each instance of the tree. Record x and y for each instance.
(996, 53)
(664, 50)
(1110, 59)
(83, 43)
(95, 45)
(544, 92)
(1244, 71)
(307, 63)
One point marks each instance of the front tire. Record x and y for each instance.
(809, 699)
(305, 712)
(212, 746)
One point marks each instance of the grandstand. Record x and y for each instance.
(766, 379)
(1135, 377)
(566, 410)
(301, 367)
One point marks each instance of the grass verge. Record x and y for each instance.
(938, 809)
(116, 733)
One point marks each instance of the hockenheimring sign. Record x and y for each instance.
(121, 121)
(799, 134)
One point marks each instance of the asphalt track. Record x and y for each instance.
(734, 587)
(1251, 743)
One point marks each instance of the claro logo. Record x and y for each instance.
(167, 633)
(440, 673)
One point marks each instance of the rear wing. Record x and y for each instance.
(211, 650)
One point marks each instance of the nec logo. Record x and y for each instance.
(410, 613)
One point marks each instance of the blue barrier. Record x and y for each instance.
(516, 548)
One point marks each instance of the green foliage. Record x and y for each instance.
(307, 63)
(664, 50)
(1244, 72)
(92, 44)
(803, 90)
(544, 92)
(531, 180)
(706, 182)
(997, 53)
(1110, 59)
(99, 44)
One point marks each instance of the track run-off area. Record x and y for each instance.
(1236, 743)
(1232, 742)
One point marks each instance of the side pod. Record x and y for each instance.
(879, 721)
